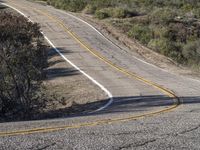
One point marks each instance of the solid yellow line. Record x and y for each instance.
(104, 121)
(75, 126)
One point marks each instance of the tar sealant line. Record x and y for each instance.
(108, 93)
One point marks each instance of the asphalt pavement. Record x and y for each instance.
(144, 114)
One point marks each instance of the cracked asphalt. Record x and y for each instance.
(176, 129)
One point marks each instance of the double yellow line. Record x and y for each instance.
(99, 56)
(120, 69)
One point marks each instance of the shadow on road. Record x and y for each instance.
(132, 105)
(53, 53)
(54, 70)
(2, 6)
(123, 104)
(60, 72)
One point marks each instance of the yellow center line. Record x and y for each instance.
(95, 53)
(103, 121)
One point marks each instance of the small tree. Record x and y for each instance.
(22, 60)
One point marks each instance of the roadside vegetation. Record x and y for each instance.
(171, 28)
(23, 58)
(35, 81)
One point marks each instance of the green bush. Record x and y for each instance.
(177, 32)
(70, 5)
(159, 45)
(167, 48)
(162, 16)
(116, 12)
(119, 13)
(141, 33)
(102, 14)
(197, 13)
(159, 31)
(191, 51)
(89, 9)
(187, 7)
(76, 5)
(103, 3)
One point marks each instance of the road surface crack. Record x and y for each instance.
(132, 145)
(126, 133)
(190, 130)
(44, 146)
(180, 133)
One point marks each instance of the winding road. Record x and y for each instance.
(146, 108)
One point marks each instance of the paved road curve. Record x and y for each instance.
(177, 129)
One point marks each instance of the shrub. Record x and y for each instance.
(70, 5)
(141, 33)
(76, 5)
(197, 13)
(103, 3)
(159, 31)
(159, 45)
(187, 7)
(120, 13)
(102, 14)
(22, 60)
(167, 48)
(116, 12)
(162, 16)
(191, 51)
(179, 35)
(89, 9)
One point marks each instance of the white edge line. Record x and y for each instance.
(73, 65)
(197, 80)
(110, 40)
